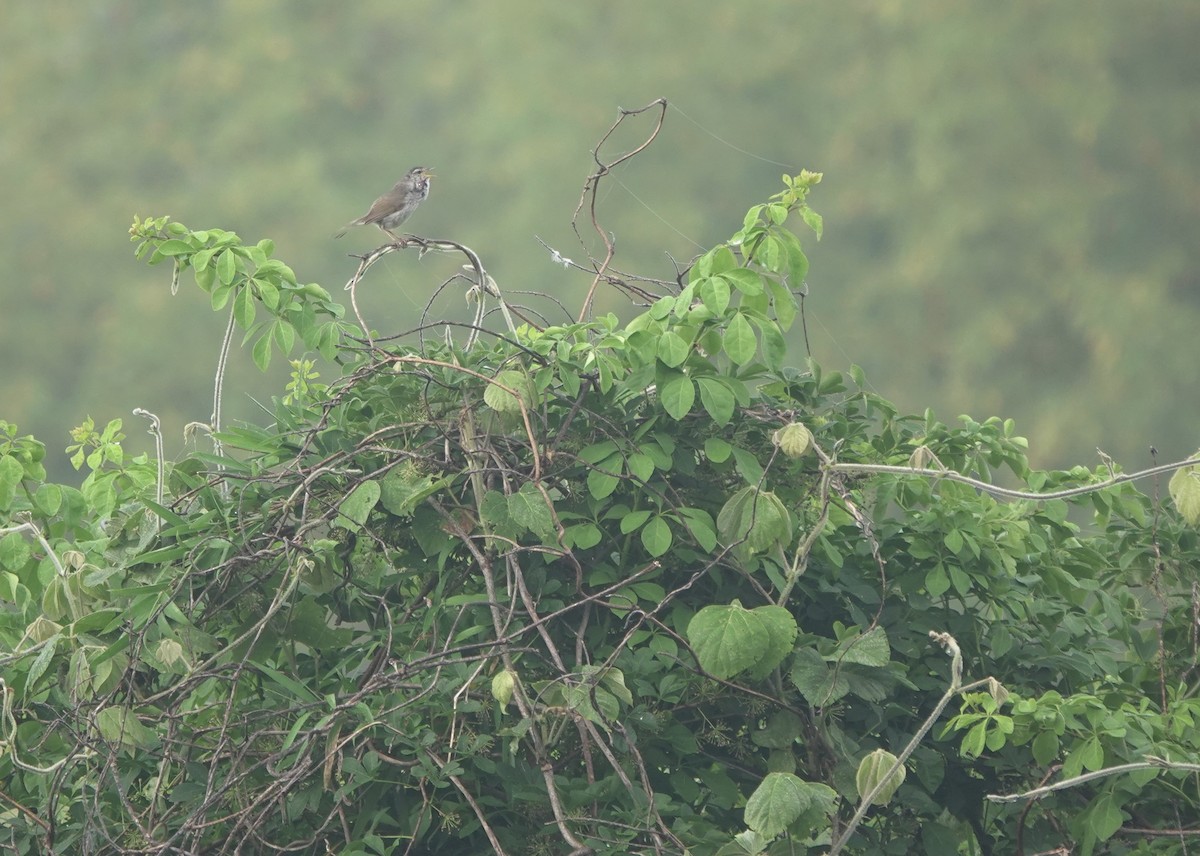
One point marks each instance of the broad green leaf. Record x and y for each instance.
(261, 353)
(672, 349)
(528, 507)
(778, 801)
(782, 627)
(118, 725)
(634, 520)
(243, 308)
(774, 347)
(14, 551)
(700, 524)
(226, 266)
(814, 220)
(402, 488)
(1045, 747)
(677, 395)
(42, 661)
(784, 303)
(879, 767)
(781, 731)
(746, 281)
(1185, 492)
(869, 649)
(11, 473)
(640, 465)
(756, 518)
(793, 439)
(727, 639)
(498, 396)
(717, 399)
(1105, 816)
(602, 479)
(739, 341)
(504, 684)
(715, 294)
(284, 335)
(717, 450)
(175, 247)
(656, 537)
(267, 293)
(818, 683)
(357, 506)
(937, 583)
(48, 499)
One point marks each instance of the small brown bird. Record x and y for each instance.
(397, 205)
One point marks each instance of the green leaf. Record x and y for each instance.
(528, 508)
(814, 220)
(717, 450)
(640, 466)
(284, 335)
(1104, 816)
(583, 536)
(714, 294)
(656, 537)
(879, 767)
(672, 349)
(634, 520)
(727, 639)
(778, 801)
(937, 583)
(744, 280)
(243, 308)
(226, 266)
(717, 399)
(504, 684)
(793, 439)
(175, 247)
(602, 480)
(773, 344)
(261, 353)
(14, 551)
(700, 524)
(267, 293)
(11, 473)
(1184, 488)
(48, 499)
(820, 685)
(401, 489)
(739, 341)
(41, 662)
(782, 627)
(357, 506)
(498, 397)
(118, 725)
(869, 649)
(677, 395)
(1045, 747)
(784, 303)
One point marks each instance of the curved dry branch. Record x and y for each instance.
(592, 186)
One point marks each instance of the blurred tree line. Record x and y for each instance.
(1010, 198)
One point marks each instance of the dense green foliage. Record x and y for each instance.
(593, 587)
(1015, 184)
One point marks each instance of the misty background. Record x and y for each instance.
(1011, 190)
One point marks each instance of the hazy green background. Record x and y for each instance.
(1011, 190)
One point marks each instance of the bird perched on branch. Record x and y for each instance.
(397, 205)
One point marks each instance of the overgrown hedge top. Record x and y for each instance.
(586, 587)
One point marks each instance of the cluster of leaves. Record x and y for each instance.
(594, 586)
